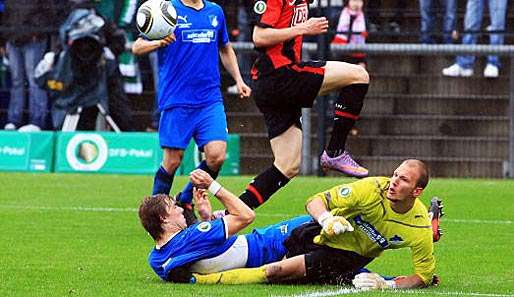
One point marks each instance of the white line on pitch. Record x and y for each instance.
(274, 215)
(346, 291)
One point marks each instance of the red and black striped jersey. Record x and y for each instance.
(279, 14)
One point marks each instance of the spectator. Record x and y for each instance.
(85, 73)
(351, 29)
(394, 23)
(27, 23)
(428, 19)
(472, 24)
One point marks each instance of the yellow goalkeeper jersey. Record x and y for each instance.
(377, 227)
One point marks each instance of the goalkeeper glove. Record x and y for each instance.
(372, 281)
(334, 225)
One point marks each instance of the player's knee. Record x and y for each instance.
(361, 75)
(215, 161)
(171, 163)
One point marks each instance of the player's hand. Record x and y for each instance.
(167, 40)
(334, 225)
(315, 26)
(202, 203)
(372, 281)
(244, 90)
(200, 179)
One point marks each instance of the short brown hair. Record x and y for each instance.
(424, 174)
(151, 210)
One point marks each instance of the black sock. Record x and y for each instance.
(162, 181)
(263, 186)
(347, 109)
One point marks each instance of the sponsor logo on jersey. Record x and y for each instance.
(300, 14)
(396, 240)
(371, 232)
(204, 226)
(199, 36)
(345, 191)
(260, 7)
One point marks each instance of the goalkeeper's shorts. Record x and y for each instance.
(323, 264)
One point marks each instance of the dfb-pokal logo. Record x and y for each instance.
(87, 152)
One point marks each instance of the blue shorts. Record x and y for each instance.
(205, 124)
(266, 245)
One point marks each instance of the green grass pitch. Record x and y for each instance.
(79, 235)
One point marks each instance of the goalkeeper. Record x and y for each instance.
(357, 222)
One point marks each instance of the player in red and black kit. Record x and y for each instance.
(284, 84)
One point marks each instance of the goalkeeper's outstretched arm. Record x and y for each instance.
(373, 281)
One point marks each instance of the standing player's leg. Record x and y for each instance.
(175, 132)
(215, 152)
(286, 149)
(211, 137)
(352, 81)
(163, 179)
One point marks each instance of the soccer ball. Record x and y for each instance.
(156, 19)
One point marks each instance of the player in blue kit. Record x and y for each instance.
(190, 98)
(210, 246)
(188, 254)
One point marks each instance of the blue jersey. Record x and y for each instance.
(198, 241)
(189, 67)
(209, 239)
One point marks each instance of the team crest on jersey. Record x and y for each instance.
(260, 7)
(204, 226)
(300, 15)
(345, 191)
(214, 20)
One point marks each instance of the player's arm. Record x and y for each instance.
(143, 46)
(319, 207)
(266, 37)
(229, 61)
(240, 215)
(373, 281)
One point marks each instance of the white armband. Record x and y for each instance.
(214, 187)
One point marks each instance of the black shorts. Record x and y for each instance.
(323, 264)
(281, 95)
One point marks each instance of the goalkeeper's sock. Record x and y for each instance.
(187, 192)
(347, 109)
(263, 186)
(232, 277)
(162, 182)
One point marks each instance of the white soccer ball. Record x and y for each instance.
(156, 19)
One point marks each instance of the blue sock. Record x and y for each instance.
(162, 182)
(186, 196)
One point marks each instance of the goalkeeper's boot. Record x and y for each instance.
(343, 163)
(189, 211)
(435, 213)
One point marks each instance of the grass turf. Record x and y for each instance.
(79, 235)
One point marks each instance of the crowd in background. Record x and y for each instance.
(29, 30)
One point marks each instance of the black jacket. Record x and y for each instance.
(26, 20)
